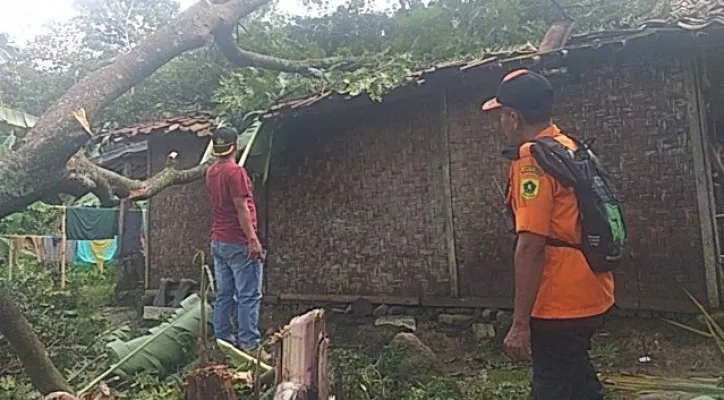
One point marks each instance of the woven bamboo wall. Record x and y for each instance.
(356, 206)
(637, 112)
(355, 201)
(180, 216)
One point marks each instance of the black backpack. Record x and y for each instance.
(603, 228)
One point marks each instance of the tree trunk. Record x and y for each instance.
(557, 36)
(45, 377)
(302, 362)
(36, 167)
(58, 135)
(213, 382)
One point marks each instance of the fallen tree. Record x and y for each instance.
(35, 169)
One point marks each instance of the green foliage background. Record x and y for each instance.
(412, 35)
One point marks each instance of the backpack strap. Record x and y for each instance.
(549, 154)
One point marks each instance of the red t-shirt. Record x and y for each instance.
(226, 180)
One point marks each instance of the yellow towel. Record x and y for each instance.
(99, 249)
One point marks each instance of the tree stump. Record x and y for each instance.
(212, 382)
(301, 370)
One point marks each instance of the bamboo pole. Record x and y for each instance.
(11, 258)
(63, 246)
(146, 250)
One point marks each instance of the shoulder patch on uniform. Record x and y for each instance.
(529, 188)
(530, 170)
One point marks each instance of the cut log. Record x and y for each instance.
(301, 370)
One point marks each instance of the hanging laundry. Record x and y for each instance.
(52, 246)
(130, 243)
(96, 252)
(26, 244)
(88, 223)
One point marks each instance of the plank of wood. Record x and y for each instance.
(702, 172)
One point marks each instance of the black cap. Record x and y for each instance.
(522, 90)
(224, 141)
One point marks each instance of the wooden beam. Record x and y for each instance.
(702, 173)
(447, 200)
(502, 303)
(468, 302)
(347, 298)
(123, 210)
(146, 217)
(708, 142)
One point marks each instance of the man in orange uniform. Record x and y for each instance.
(559, 300)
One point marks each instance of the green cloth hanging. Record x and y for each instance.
(87, 223)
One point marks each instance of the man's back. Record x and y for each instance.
(225, 181)
(568, 288)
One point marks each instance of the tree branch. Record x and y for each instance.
(92, 176)
(557, 36)
(56, 137)
(16, 329)
(224, 39)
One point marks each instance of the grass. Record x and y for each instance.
(69, 323)
(606, 355)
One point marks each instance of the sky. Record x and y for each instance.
(22, 20)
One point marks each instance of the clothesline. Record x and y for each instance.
(99, 208)
(87, 234)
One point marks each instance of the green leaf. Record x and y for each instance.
(239, 358)
(165, 345)
(17, 118)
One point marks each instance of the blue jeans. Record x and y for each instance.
(237, 276)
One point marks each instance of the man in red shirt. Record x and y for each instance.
(236, 249)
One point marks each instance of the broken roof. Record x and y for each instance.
(527, 52)
(199, 123)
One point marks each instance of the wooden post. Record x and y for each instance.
(702, 173)
(447, 201)
(301, 370)
(123, 211)
(11, 258)
(146, 223)
(146, 250)
(63, 246)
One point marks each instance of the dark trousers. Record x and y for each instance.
(562, 369)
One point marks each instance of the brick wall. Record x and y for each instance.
(356, 206)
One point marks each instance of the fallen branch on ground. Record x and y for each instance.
(13, 325)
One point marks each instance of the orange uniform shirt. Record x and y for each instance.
(569, 288)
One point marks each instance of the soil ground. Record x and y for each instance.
(616, 349)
